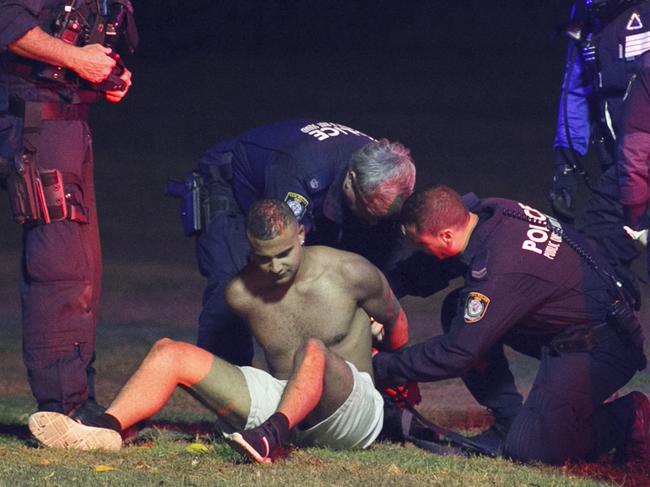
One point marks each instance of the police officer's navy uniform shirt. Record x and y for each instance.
(303, 162)
(521, 279)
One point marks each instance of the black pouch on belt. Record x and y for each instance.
(573, 339)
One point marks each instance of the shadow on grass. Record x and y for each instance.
(18, 431)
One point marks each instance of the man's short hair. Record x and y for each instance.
(385, 176)
(434, 209)
(268, 218)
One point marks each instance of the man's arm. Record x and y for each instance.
(91, 62)
(377, 300)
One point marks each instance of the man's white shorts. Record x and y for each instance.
(355, 424)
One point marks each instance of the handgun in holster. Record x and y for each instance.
(193, 206)
(36, 196)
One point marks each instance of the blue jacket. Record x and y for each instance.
(598, 72)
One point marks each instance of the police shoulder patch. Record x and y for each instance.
(475, 307)
(479, 266)
(298, 204)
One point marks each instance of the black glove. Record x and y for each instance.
(563, 190)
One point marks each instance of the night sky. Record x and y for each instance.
(471, 87)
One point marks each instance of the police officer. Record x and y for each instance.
(537, 287)
(46, 87)
(340, 183)
(607, 37)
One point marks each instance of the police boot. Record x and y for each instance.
(636, 447)
(493, 438)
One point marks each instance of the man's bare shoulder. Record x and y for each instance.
(350, 267)
(237, 294)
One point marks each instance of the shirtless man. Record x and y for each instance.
(308, 308)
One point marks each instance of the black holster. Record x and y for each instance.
(37, 195)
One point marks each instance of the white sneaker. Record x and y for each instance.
(57, 430)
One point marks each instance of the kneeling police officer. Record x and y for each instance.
(538, 287)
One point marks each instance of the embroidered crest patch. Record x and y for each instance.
(475, 307)
(298, 204)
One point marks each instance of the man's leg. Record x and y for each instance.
(320, 383)
(167, 365)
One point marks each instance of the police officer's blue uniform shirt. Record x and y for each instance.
(303, 162)
(521, 278)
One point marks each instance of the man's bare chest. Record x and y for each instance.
(325, 314)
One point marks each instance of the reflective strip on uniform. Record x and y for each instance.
(637, 44)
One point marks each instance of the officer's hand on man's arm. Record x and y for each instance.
(401, 396)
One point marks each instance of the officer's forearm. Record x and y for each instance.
(398, 333)
(38, 45)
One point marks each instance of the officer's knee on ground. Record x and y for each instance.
(549, 434)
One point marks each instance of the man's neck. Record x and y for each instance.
(472, 221)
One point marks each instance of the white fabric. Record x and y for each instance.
(355, 424)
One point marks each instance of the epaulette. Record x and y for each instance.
(479, 266)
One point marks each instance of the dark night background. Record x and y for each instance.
(471, 87)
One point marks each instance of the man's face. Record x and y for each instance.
(354, 200)
(431, 243)
(280, 257)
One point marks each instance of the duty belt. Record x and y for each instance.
(580, 338)
(34, 112)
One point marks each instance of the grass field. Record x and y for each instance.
(145, 302)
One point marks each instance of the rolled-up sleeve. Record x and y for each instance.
(16, 19)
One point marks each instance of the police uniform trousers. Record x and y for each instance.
(60, 277)
(604, 218)
(564, 416)
(222, 251)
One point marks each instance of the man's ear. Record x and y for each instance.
(301, 234)
(447, 236)
(350, 179)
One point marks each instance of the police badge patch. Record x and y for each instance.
(298, 204)
(475, 307)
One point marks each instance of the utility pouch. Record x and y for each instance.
(54, 194)
(574, 339)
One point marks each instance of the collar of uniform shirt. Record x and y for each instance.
(488, 218)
